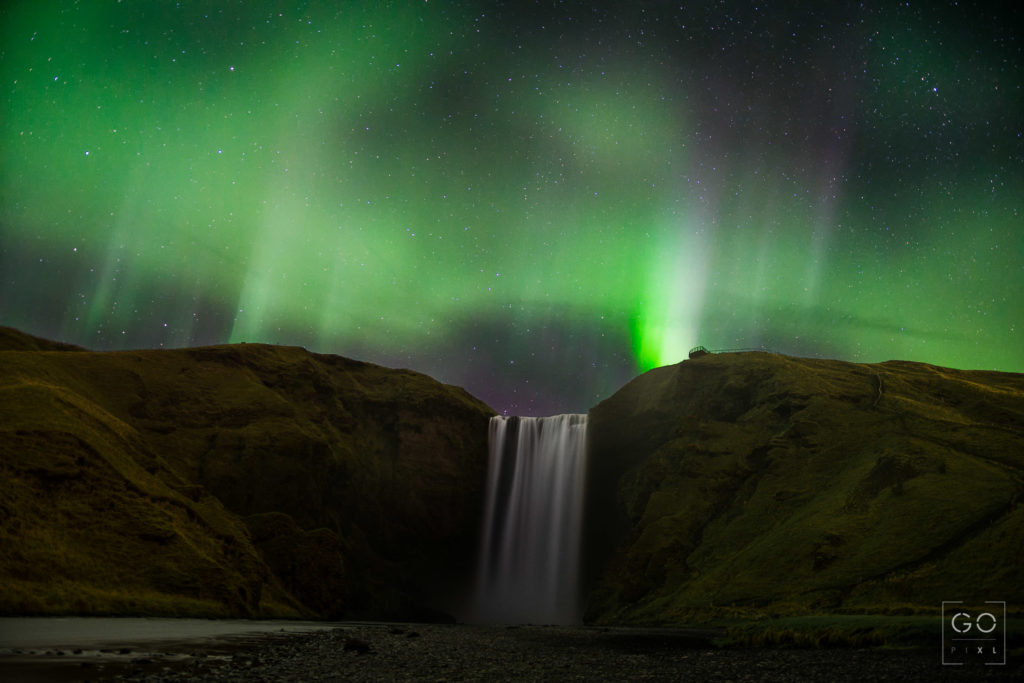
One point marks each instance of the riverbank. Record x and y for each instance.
(419, 652)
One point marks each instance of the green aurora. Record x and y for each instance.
(535, 206)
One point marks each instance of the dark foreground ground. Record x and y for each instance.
(402, 652)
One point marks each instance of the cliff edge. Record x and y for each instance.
(754, 483)
(238, 480)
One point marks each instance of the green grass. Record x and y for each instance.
(126, 479)
(787, 486)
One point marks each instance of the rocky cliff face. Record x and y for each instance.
(241, 480)
(756, 482)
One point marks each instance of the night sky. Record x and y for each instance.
(535, 202)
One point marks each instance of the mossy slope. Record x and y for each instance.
(756, 483)
(243, 480)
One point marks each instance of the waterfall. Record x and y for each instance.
(530, 555)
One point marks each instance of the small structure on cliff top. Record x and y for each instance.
(698, 351)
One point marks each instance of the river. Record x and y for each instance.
(72, 648)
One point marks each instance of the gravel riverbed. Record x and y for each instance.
(416, 652)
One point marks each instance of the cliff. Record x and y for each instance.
(252, 480)
(752, 483)
(243, 480)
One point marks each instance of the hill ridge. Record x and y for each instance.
(286, 455)
(767, 482)
(265, 480)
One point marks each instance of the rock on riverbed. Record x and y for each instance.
(399, 652)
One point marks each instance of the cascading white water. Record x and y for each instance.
(530, 556)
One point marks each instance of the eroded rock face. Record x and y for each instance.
(310, 484)
(757, 481)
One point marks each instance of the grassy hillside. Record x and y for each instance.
(241, 480)
(259, 480)
(753, 484)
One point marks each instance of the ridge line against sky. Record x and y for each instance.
(534, 201)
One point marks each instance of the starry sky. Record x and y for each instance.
(535, 201)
